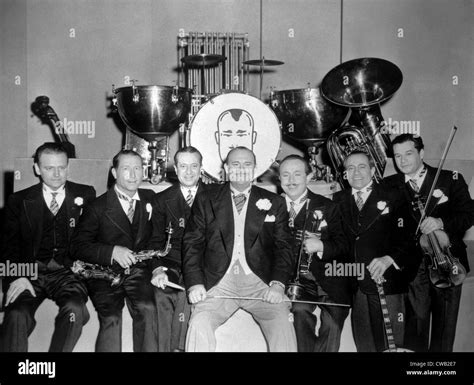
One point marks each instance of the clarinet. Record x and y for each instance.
(115, 275)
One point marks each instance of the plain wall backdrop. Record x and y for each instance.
(73, 51)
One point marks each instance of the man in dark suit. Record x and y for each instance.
(173, 206)
(237, 243)
(113, 227)
(325, 246)
(370, 215)
(452, 210)
(39, 222)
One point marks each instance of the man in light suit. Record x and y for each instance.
(39, 223)
(237, 243)
(173, 206)
(372, 220)
(326, 243)
(112, 228)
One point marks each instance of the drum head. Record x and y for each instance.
(231, 120)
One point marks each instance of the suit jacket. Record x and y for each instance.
(209, 237)
(24, 219)
(457, 212)
(336, 247)
(170, 206)
(104, 225)
(372, 234)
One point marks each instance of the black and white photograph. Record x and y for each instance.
(256, 179)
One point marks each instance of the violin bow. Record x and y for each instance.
(438, 171)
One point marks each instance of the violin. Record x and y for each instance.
(445, 270)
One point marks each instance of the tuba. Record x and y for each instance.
(361, 84)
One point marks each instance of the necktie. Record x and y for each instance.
(413, 181)
(131, 210)
(54, 207)
(189, 198)
(292, 214)
(239, 201)
(359, 201)
(414, 186)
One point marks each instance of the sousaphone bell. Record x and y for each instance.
(361, 84)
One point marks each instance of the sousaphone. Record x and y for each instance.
(361, 84)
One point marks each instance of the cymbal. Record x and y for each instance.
(263, 63)
(203, 59)
(361, 82)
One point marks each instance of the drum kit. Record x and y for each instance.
(343, 113)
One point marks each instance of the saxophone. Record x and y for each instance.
(116, 274)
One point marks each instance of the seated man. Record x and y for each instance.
(112, 228)
(324, 244)
(237, 244)
(451, 210)
(174, 206)
(371, 217)
(39, 222)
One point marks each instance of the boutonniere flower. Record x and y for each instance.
(382, 206)
(318, 214)
(149, 210)
(440, 195)
(264, 204)
(78, 201)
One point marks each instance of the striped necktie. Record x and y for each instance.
(131, 210)
(239, 201)
(189, 198)
(413, 181)
(54, 206)
(414, 185)
(359, 200)
(293, 212)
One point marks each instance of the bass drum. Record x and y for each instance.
(231, 120)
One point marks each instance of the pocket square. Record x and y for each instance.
(443, 199)
(270, 218)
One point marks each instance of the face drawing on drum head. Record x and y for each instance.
(235, 128)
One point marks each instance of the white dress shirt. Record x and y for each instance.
(185, 191)
(365, 192)
(298, 202)
(124, 203)
(417, 178)
(48, 197)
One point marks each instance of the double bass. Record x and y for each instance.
(41, 108)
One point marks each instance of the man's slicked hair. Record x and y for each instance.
(417, 141)
(360, 152)
(307, 167)
(49, 148)
(187, 150)
(116, 159)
